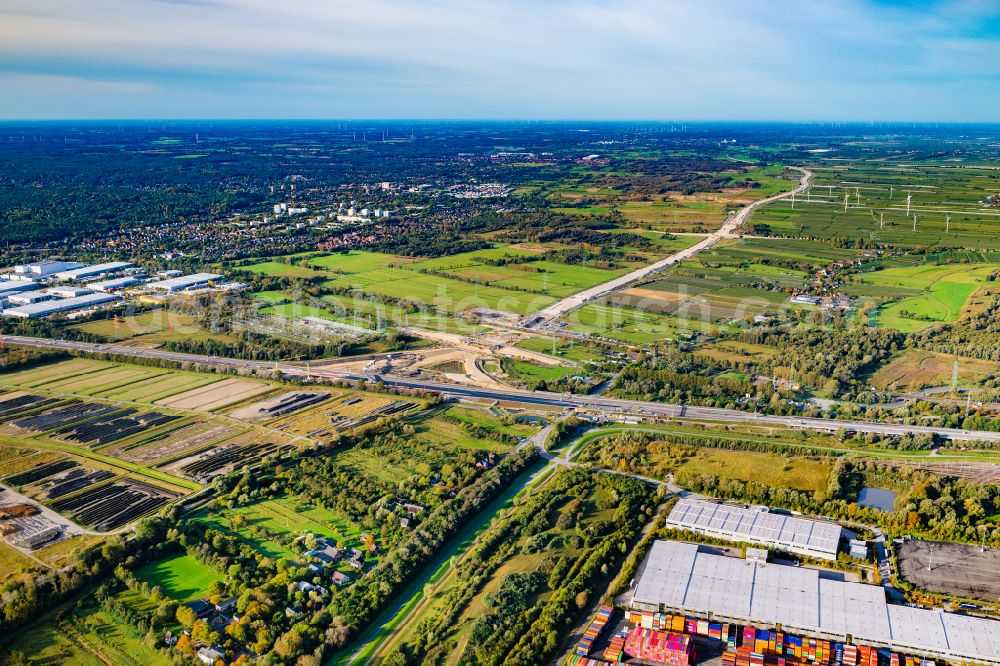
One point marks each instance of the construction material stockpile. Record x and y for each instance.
(660, 647)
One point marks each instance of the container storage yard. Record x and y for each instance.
(646, 637)
(827, 620)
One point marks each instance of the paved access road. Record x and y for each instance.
(593, 402)
(728, 229)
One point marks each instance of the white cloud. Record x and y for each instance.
(488, 58)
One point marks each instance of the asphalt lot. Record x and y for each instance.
(955, 568)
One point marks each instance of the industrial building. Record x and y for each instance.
(46, 308)
(68, 292)
(114, 285)
(185, 282)
(39, 269)
(14, 286)
(812, 538)
(93, 271)
(28, 297)
(680, 577)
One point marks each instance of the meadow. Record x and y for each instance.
(876, 205)
(181, 577)
(151, 329)
(270, 525)
(925, 295)
(87, 636)
(648, 202)
(915, 369)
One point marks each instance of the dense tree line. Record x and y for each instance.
(528, 615)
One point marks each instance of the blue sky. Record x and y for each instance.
(546, 59)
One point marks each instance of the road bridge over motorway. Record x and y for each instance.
(566, 400)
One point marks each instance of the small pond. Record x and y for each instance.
(877, 498)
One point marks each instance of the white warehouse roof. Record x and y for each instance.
(678, 576)
(96, 269)
(111, 285)
(46, 308)
(185, 281)
(799, 535)
(15, 286)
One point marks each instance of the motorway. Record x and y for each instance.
(727, 230)
(565, 400)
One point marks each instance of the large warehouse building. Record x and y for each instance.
(679, 577)
(813, 538)
(94, 270)
(185, 282)
(46, 308)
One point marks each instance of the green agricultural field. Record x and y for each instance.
(151, 329)
(732, 351)
(767, 468)
(450, 284)
(361, 311)
(87, 636)
(270, 525)
(567, 349)
(634, 326)
(435, 442)
(876, 204)
(181, 577)
(659, 458)
(663, 211)
(531, 373)
(915, 369)
(487, 419)
(280, 269)
(729, 283)
(13, 563)
(939, 293)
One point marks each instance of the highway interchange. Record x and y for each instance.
(608, 406)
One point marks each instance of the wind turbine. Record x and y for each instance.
(908, 203)
(947, 223)
(846, 197)
(857, 195)
(914, 222)
(881, 220)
